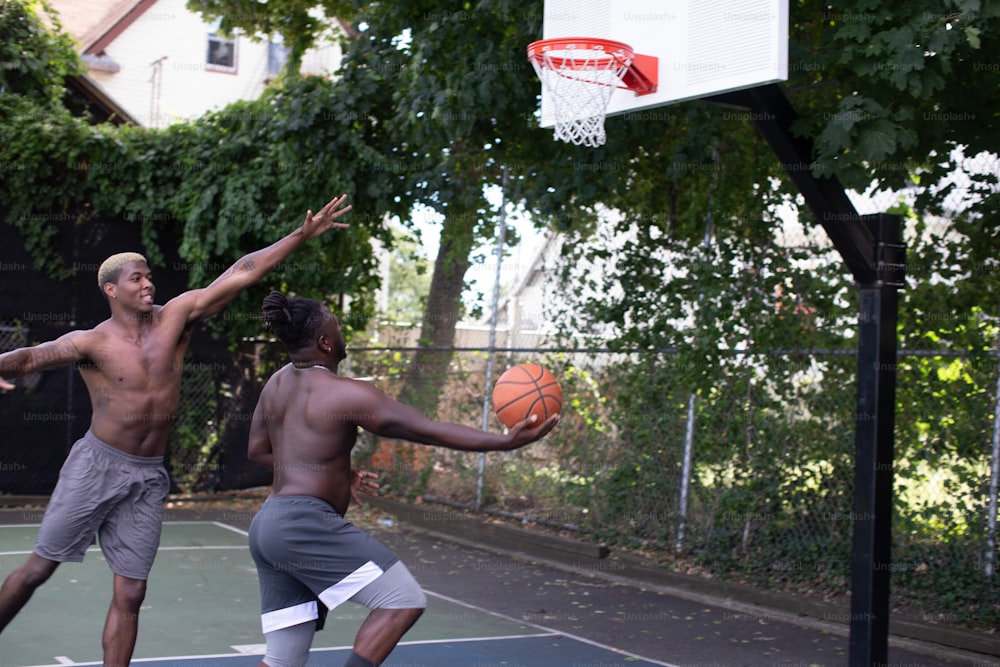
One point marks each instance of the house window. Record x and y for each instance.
(277, 56)
(221, 54)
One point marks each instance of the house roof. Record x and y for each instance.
(101, 106)
(95, 23)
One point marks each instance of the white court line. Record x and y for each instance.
(549, 630)
(232, 528)
(420, 642)
(209, 547)
(165, 523)
(97, 549)
(247, 649)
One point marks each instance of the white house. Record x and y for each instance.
(162, 63)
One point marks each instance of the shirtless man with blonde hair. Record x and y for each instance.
(114, 482)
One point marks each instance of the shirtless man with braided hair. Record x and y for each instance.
(113, 482)
(304, 427)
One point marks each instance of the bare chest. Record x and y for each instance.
(136, 364)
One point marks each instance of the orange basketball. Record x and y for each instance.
(524, 390)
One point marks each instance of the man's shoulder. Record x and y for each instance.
(288, 378)
(88, 343)
(174, 317)
(96, 333)
(179, 304)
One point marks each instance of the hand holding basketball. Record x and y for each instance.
(526, 390)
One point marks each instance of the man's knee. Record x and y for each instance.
(289, 647)
(395, 589)
(129, 592)
(36, 571)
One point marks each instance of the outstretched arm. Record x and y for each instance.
(249, 269)
(60, 352)
(388, 418)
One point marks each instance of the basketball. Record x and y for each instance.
(524, 390)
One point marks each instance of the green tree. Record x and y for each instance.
(875, 85)
(433, 103)
(231, 182)
(295, 20)
(450, 116)
(879, 86)
(34, 61)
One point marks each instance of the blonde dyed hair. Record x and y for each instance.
(112, 266)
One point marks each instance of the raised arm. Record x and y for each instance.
(249, 269)
(62, 351)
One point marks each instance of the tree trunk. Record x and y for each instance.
(429, 370)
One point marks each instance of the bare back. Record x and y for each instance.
(312, 424)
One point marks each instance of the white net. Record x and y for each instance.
(580, 81)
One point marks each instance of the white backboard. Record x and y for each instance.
(704, 47)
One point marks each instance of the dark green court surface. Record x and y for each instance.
(201, 610)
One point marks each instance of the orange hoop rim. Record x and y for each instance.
(619, 52)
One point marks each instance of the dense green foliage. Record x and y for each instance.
(771, 493)
(234, 181)
(34, 60)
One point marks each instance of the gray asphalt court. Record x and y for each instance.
(487, 608)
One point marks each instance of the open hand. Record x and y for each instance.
(531, 429)
(326, 218)
(363, 481)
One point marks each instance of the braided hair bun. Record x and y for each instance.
(295, 320)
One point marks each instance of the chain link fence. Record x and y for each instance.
(50, 411)
(743, 482)
(739, 483)
(193, 452)
(735, 462)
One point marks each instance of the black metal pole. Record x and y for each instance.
(873, 444)
(872, 250)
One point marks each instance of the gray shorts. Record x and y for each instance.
(105, 492)
(307, 554)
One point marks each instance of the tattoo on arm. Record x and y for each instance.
(64, 352)
(244, 266)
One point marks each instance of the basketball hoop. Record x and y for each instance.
(580, 73)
